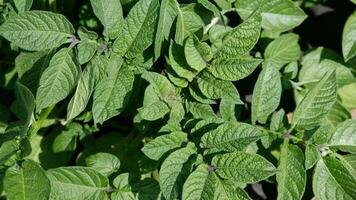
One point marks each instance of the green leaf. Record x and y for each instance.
(283, 50)
(24, 104)
(81, 183)
(110, 14)
(164, 143)
(214, 88)
(240, 40)
(138, 29)
(59, 79)
(111, 95)
(86, 50)
(243, 167)
(37, 30)
(233, 68)
(291, 175)
(154, 111)
(266, 94)
(231, 136)
(161, 85)
(23, 5)
(174, 170)
(26, 182)
(7, 149)
(91, 76)
(312, 156)
(104, 163)
(179, 63)
(348, 38)
(316, 103)
(227, 109)
(227, 190)
(344, 136)
(167, 13)
(201, 111)
(332, 180)
(200, 185)
(66, 141)
(277, 15)
(278, 120)
(197, 53)
(85, 34)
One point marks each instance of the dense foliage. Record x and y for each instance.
(177, 99)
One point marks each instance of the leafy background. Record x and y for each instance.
(178, 99)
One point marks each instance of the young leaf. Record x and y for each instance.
(164, 143)
(278, 120)
(197, 53)
(233, 68)
(200, 185)
(59, 79)
(243, 167)
(348, 38)
(27, 181)
(179, 63)
(332, 180)
(231, 136)
(228, 190)
(86, 50)
(227, 109)
(81, 183)
(160, 84)
(110, 14)
(277, 15)
(216, 89)
(91, 76)
(283, 50)
(174, 170)
(291, 184)
(344, 136)
(266, 94)
(37, 30)
(104, 163)
(138, 30)
(111, 95)
(240, 40)
(316, 103)
(312, 156)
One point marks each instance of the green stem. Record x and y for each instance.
(288, 135)
(42, 118)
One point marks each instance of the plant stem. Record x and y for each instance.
(288, 135)
(38, 124)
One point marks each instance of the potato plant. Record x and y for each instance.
(177, 99)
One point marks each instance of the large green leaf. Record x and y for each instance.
(167, 14)
(27, 181)
(104, 163)
(283, 50)
(316, 103)
(37, 30)
(91, 76)
(348, 38)
(109, 13)
(200, 185)
(154, 111)
(291, 175)
(138, 30)
(164, 143)
(266, 94)
(111, 94)
(243, 167)
(174, 170)
(80, 183)
(332, 180)
(59, 79)
(214, 88)
(277, 15)
(344, 136)
(240, 40)
(233, 68)
(231, 136)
